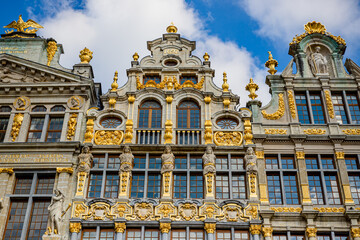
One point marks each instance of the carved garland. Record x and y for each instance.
(279, 113)
(352, 131)
(170, 83)
(108, 137)
(274, 131)
(314, 131)
(292, 104)
(71, 126)
(51, 50)
(228, 138)
(329, 104)
(16, 126)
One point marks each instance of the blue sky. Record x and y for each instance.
(236, 33)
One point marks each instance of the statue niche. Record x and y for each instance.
(317, 59)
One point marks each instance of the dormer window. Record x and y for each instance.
(155, 78)
(192, 78)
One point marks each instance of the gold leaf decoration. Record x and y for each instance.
(329, 104)
(279, 113)
(228, 138)
(274, 131)
(292, 104)
(103, 137)
(314, 131)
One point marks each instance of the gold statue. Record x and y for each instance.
(22, 26)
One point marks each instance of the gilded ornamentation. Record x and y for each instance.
(81, 183)
(279, 113)
(169, 99)
(129, 131)
(206, 57)
(79, 209)
(18, 119)
(51, 50)
(234, 213)
(112, 102)
(165, 227)
(286, 209)
(131, 99)
(120, 227)
(165, 210)
(21, 103)
(340, 155)
(75, 227)
(207, 99)
(135, 56)
(68, 170)
(208, 132)
(170, 82)
(352, 131)
(316, 27)
(329, 104)
(75, 102)
(271, 63)
(7, 170)
(210, 210)
(126, 164)
(21, 26)
(168, 132)
(99, 211)
(210, 227)
(252, 88)
(259, 154)
(85, 55)
(274, 131)
(209, 181)
(252, 211)
(121, 209)
(248, 136)
(252, 178)
(330, 209)
(188, 211)
(300, 154)
(228, 138)
(143, 210)
(171, 28)
(115, 85)
(292, 104)
(103, 137)
(225, 85)
(71, 126)
(355, 232)
(226, 102)
(314, 131)
(167, 180)
(255, 229)
(267, 231)
(311, 231)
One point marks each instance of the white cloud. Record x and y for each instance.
(115, 29)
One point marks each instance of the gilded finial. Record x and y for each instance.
(252, 87)
(171, 28)
(85, 55)
(22, 26)
(314, 27)
(206, 56)
(136, 56)
(271, 64)
(225, 85)
(115, 85)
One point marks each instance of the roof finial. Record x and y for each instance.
(225, 85)
(252, 87)
(206, 56)
(171, 28)
(271, 64)
(115, 85)
(136, 56)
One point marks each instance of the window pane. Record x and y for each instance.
(45, 185)
(155, 163)
(238, 187)
(196, 235)
(237, 163)
(99, 161)
(341, 236)
(351, 163)
(188, 115)
(107, 234)
(332, 189)
(274, 189)
(193, 79)
(196, 162)
(339, 108)
(139, 162)
(155, 78)
(317, 108)
(154, 181)
(58, 108)
(89, 234)
(54, 129)
(150, 115)
(221, 163)
(111, 186)
(3, 126)
(23, 185)
(38, 220)
(323, 237)
(222, 186)
(311, 163)
(95, 185)
(196, 186)
(287, 162)
(180, 186)
(113, 162)
(151, 234)
(353, 107)
(297, 237)
(110, 122)
(180, 163)
(137, 186)
(354, 180)
(316, 193)
(15, 220)
(39, 109)
(35, 129)
(178, 234)
(133, 234)
(302, 108)
(279, 237)
(223, 235)
(241, 235)
(272, 163)
(291, 190)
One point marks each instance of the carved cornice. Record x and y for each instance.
(314, 131)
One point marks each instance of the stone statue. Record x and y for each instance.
(167, 160)
(55, 212)
(209, 159)
(250, 161)
(318, 62)
(126, 160)
(85, 160)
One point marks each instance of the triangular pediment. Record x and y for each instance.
(15, 70)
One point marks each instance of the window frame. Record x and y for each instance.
(150, 115)
(188, 114)
(308, 94)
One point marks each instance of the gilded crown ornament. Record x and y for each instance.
(271, 64)
(206, 57)
(225, 85)
(115, 85)
(252, 87)
(85, 55)
(135, 56)
(314, 27)
(21, 26)
(171, 28)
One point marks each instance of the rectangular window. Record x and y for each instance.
(192, 79)
(327, 163)
(332, 189)
(302, 108)
(272, 163)
(238, 187)
(38, 220)
(339, 108)
(88, 234)
(317, 108)
(54, 129)
(139, 162)
(45, 185)
(133, 234)
(287, 162)
(316, 193)
(323, 237)
(154, 78)
(111, 186)
(291, 190)
(311, 163)
(353, 104)
(354, 180)
(137, 186)
(23, 185)
(3, 126)
(297, 237)
(113, 162)
(222, 186)
(196, 163)
(341, 236)
(152, 234)
(274, 189)
(99, 161)
(237, 163)
(221, 163)
(155, 163)
(153, 188)
(95, 185)
(35, 130)
(279, 236)
(351, 163)
(180, 184)
(180, 162)
(107, 234)
(223, 235)
(178, 234)
(16, 220)
(196, 234)
(241, 235)
(196, 186)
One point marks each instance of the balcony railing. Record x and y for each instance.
(188, 137)
(148, 136)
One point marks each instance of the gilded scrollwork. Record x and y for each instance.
(170, 82)
(279, 112)
(330, 209)
(79, 209)
(143, 211)
(275, 131)
(51, 50)
(292, 104)
(209, 210)
(234, 213)
(165, 210)
(311, 231)
(232, 138)
(120, 227)
(103, 137)
(71, 126)
(165, 227)
(210, 227)
(188, 211)
(314, 131)
(329, 104)
(255, 229)
(287, 209)
(99, 211)
(355, 131)
(15, 129)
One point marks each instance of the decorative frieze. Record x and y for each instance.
(68, 170)
(275, 131)
(287, 209)
(314, 131)
(330, 209)
(354, 131)
(232, 138)
(103, 137)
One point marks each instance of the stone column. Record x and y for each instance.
(125, 172)
(262, 177)
(75, 228)
(311, 233)
(255, 231)
(120, 229)
(165, 229)
(300, 155)
(344, 178)
(63, 183)
(267, 233)
(251, 172)
(355, 233)
(209, 172)
(210, 230)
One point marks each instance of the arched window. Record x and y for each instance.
(58, 108)
(188, 115)
(39, 109)
(150, 115)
